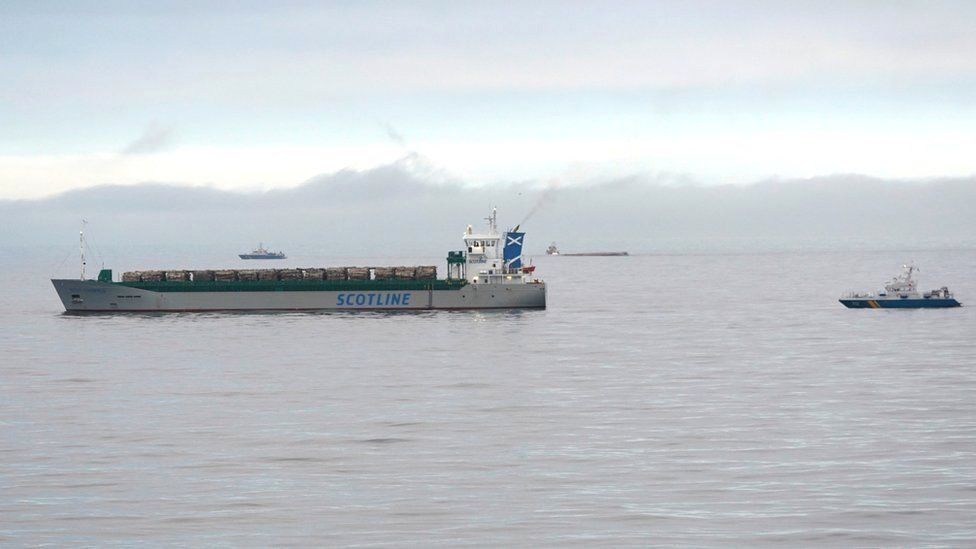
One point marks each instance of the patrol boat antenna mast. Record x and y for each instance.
(81, 246)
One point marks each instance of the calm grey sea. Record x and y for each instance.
(701, 399)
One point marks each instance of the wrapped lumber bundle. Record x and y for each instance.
(335, 273)
(225, 275)
(404, 273)
(427, 271)
(152, 276)
(132, 276)
(267, 274)
(290, 274)
(177, 276)
(383, 273)
(247, 274)
(314, 274)
(203, 276)
(357, 273)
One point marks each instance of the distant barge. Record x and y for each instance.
(598, 254)
(553, 250)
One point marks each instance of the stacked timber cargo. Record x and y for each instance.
(153, 276)
(289, 274)
(405, 273)
(156, 276)
(423, 272)
(248, 274)
(177, 276)
(357, 273)
(267, 274)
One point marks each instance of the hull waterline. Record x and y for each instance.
(89, 296)
(900, 303)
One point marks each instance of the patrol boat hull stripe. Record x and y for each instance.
(900, 303)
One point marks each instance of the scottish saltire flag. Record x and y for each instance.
(513, 250)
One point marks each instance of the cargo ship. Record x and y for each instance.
(901, 293)
(487, 274)
(261, 253)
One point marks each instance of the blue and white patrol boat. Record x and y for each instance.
(262, 253)
(901, 293)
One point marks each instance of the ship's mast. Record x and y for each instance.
(492, 221)
(81, 246)
(909, 269)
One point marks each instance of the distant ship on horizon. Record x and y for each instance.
(261, 253)
(553, 250)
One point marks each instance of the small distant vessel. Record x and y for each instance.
(553, 250)
(901, 293)
(261, 253)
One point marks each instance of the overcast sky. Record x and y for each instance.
(270, 94)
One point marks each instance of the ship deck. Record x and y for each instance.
(294, 285)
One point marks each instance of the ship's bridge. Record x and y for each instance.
(480, 245)
(492, 257)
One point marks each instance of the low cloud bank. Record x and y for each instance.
(393, 210)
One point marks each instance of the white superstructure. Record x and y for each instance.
(486, 261)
